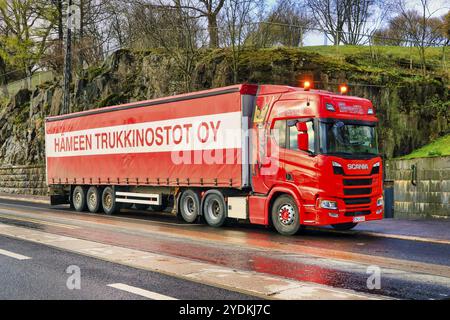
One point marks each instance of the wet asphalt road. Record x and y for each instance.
(44, 276)
(304, 257)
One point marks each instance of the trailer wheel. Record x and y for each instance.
(189, 206)
(344, 226)
(109, 204)
(285, 215)
(215, 209)
(79, 198)
(93, 199)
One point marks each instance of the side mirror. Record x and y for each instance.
(302, 136)
(303, 141)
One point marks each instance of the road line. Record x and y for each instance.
(140, 292)
(13, 255)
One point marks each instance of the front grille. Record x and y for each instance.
(357, 213)
(357, 182)
(357, 201)
(357, 191)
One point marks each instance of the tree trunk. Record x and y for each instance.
(213, 31)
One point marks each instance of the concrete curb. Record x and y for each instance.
(24, 199)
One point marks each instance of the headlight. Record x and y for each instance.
(328, 204)
(337, 168)
(380, 202)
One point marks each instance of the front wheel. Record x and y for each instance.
(285, 215)
(344, 226)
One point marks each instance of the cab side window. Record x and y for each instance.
(279, 133)
(293, 135)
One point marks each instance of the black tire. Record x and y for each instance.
(214, 210)
(344, 226)
(93, 199)
(79, 198)
(285, 215)
(109, 204)
(189, 206)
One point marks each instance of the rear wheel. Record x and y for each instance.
(285, 215)
(215, 210)
(93, 199)
(189, 206)
(109, 204)
(79, 198)
(344, 226)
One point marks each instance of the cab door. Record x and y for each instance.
(300, 161)
(270, 152)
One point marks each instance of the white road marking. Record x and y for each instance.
(140, 292)
(13, 255)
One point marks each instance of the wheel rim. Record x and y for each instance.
(189, 206)
(108, 200)
(77, 199)
(92, 200)
(286, 214)
(214, 210)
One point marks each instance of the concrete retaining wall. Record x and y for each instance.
(430, 197)
(23, 180)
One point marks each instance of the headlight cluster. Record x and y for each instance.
(380, 202)
(328, 204)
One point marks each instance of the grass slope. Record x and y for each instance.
(439, 147)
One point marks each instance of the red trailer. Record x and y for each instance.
(268, 154)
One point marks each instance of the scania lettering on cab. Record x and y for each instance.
(268, 154)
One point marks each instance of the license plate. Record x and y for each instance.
(359, 219)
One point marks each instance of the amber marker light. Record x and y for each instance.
(343, 89)
(306, 85)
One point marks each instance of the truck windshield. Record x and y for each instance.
(348, 138)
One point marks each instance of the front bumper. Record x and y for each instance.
(356, 213)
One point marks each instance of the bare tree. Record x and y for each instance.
(288, 23)
(348, 21)
(238, 23)
(421, 27)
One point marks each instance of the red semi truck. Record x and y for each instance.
(268, 154)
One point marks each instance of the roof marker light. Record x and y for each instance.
(306, 85)
(370, 111)
(343, 89)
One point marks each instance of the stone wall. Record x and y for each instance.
(430, 196)
(23, 180)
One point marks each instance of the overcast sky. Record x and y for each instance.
(438, 7)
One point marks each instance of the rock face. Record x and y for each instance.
(412, 109)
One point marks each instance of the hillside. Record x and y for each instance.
(412, 109)
(437, 148)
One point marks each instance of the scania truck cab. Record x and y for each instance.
(317, 160)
